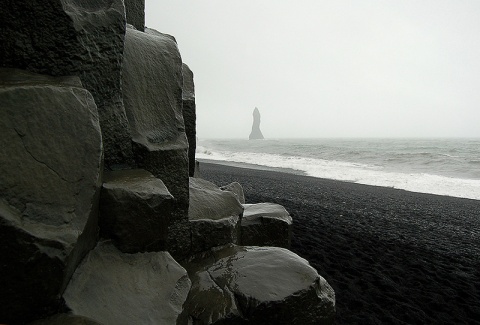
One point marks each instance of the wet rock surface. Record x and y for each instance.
(257, 285)
(208, 201)
(49, 184)
(214, 216)
(152, 90)
(115, 288)
(135, 209)
(266, 224)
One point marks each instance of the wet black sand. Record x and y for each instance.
(392, 256)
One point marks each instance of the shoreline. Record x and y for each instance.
(252, 166)
(302, 173)
(392, 256)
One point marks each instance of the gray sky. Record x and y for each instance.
(369, 68)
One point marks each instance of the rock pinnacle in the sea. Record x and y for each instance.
(256, 133)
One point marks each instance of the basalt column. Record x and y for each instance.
(152, 90)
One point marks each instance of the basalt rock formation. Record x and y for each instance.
(135, 210)
(244, 283)
(111, 287)
(256, 134)
(266, 224)
(214, 216)
(189, 116)
(99, 220)
(74, 38)
(50, 177)
(152, 93)
(236, 189)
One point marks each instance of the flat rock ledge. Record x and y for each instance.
(256, 285)
(214, 216)
(111, 287)
(266, 224)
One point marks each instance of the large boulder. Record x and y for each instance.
(135, 208)
(189, 116)
(214, 216)
(50, 176)
(111, 287)
(74, 37)
(152, 89)
(135, 11)
(266, 224)
(257, 285)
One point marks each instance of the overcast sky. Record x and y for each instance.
(336, 68)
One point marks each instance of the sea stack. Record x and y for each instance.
(256, 133)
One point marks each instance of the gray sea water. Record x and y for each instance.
(449, 166)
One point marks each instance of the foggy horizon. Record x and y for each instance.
(338, 69)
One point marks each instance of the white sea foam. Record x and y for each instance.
(353, 172)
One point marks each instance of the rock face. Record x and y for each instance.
(115, 288)
(256, 134)
(135, 209)
(189, 116)
(257, 285)
(74, 37)
(50, 176)
(152, 83)
(135, 11)
(266, 224)
(214, 216)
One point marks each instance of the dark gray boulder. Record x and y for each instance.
(74, 37)
(236, 189)
(214, 216)
(266, 224)
(189, 116)
(111, 287)
(135, 208)
(256, 134)
(152, 90)
(50, 176)
(135, 12)
(257, 285)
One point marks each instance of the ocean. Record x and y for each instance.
(447, 166)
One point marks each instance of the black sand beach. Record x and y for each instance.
(392, 256)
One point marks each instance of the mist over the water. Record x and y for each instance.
(341, 68)
(337, 69)
(438, 166)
